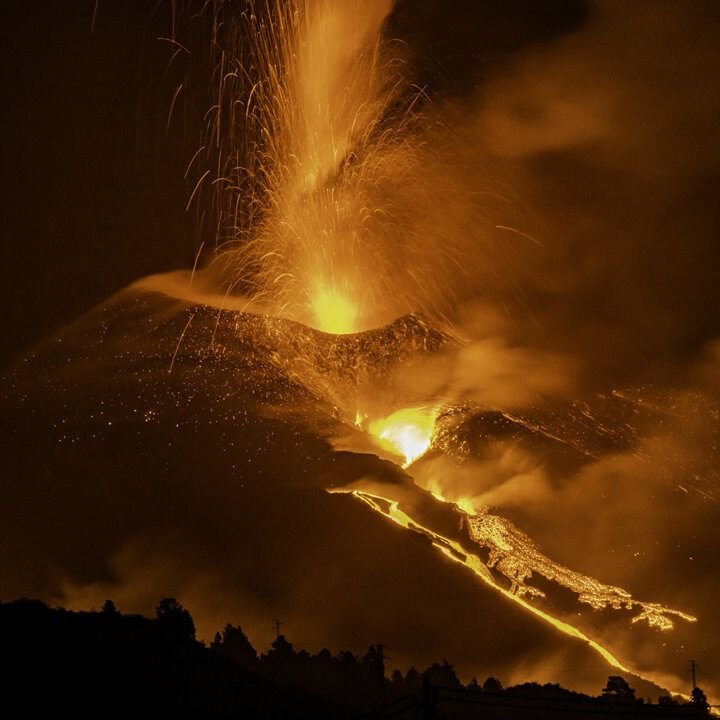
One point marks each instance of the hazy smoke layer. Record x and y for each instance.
(614, 130)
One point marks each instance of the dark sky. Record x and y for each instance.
(93, 190)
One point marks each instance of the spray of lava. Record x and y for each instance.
(302, 138)
(340, 200)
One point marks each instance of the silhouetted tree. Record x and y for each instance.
(443, 675)
(374, 662)
(128, 664)
(698, 697)
(492, 685)
(375, 658)
(281, 647)
(235, 646)
(91, 665)
(173, 617)
(618, 689)
(281, 659)
(348, 661)
(412, 680)
(109, 608)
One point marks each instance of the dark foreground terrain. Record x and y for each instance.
(105, 664)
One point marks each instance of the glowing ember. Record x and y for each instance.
(407, 432)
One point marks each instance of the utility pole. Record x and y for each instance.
(694, 667)
(277, 627)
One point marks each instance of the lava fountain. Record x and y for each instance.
(407, 432)
(303, 136)
(336, 199)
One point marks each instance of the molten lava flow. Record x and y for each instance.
(453, 550)
(655, 614)
(407, 432)
(515, 555)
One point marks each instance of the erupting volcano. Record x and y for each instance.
(342, 407)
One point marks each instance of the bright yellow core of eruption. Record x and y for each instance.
(406, 432)
(334, 312)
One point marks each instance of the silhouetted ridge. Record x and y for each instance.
(105, 664)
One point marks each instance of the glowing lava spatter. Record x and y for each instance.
(330, 193)
(406, 432)
(299, 141)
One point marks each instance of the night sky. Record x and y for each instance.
(595, 121)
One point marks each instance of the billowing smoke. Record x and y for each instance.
(613, 129)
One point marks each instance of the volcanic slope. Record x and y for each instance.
(156, 448)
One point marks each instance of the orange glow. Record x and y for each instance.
(407, 432)
(334, 312)
(466, 504)
(335, 181)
